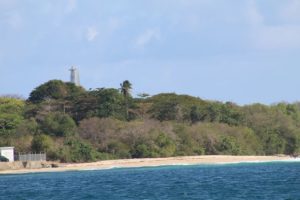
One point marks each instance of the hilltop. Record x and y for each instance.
(72, 124)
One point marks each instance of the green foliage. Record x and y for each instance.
(28, 127)
(165, 145)
(58, 124)
(169, 106)
(191, 109)
(277, 126)
(126, 86)
(110, 103)
(85, 106)
(11, 114)
(143, 95)
(274, 144)
(118, 149)
(141, 151)
(73, 91)
(229, 145)
(187, 141)
(54, 89)
(154, 144)
(9, 122)
(42, 143)
(294, 144)
(11, 105)
(74, 125)
(205, 113)
(77, 150)
(165, 110)
(231, 114)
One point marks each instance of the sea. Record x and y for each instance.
(272, 181)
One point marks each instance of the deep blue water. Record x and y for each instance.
(236, 181)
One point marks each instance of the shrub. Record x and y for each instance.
(59, 124)
(78, 151)
(42, 143)
(229, 145)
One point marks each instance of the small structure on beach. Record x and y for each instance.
(31, 157)
(7, 152)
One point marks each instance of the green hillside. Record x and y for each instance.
(75, 125)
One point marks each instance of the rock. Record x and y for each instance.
(46, 165)
(55, 165)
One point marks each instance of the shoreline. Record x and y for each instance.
(156, 162)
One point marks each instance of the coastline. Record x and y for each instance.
(155, 162)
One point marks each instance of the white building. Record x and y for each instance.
(7, 152)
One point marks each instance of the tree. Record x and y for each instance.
(274, 144)
(166, 145)
(143, 95)
(58, 124)
(98, 131)
(85, 106)
(119, 149)
(164, 110)
(126, 86)
(231, 114)
(197, 114)
(11, 114)
(109, 103)
(170, 106)
(41, 143)
(54, 89)
(79, 151)
(229, 145)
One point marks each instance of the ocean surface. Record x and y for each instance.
(235, 181)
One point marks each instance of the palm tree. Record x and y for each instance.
(125, 90)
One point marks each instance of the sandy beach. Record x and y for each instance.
(153, 162)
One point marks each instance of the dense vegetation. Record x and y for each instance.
(75, 125)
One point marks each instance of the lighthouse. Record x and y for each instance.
(75, 76)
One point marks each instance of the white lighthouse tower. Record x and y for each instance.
(75, 76)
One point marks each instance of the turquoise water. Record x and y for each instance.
(236, 181)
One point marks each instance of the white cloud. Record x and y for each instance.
(147, 37)
(91, 34)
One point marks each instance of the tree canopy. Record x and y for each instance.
(75, 125)
(54, 89)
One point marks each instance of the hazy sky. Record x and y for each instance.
(244, 51)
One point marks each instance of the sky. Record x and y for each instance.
(244, 51)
